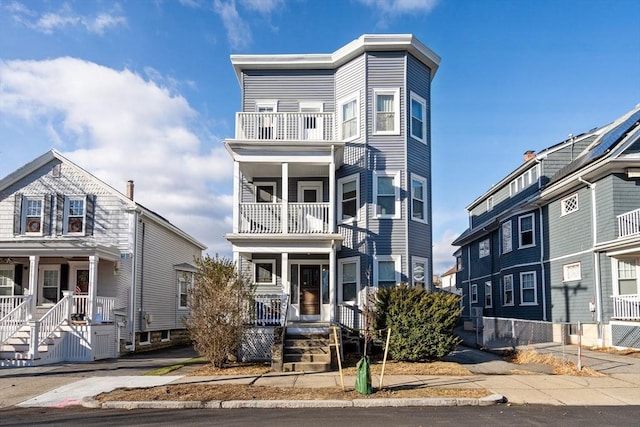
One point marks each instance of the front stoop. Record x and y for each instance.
(14, 352)
(307, 349)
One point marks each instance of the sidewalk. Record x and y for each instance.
(74, 384)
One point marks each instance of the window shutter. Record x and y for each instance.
(17, 214)
(64, 278)
(90, 214)
(46, 215)
(59, 214)
(17, 278)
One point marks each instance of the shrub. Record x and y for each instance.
(218, 302)
(421, 322)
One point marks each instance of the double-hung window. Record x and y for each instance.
(418, 198)
(507, 290)
(185, 280)
(349, 123)
(75, 215)
(349, 276)
(474, 293)
(386, 190)
(418, 117)
(484, 248)
(386, 271)
(387, 111)
(488, 295)
(507, 242)
(419, 271)
(7, 284)
(528, 288)
(526, 226)
(627, 277)
(348, 197)
(33, 215)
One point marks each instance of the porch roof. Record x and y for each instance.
(290, 243)
(57, 248)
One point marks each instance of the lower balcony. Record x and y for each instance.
(629, 223)
(626, 307)
(271, 218)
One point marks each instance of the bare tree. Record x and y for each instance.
(218, 301)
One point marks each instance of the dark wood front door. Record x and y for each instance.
(309, 290)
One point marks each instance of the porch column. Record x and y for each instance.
(332, 194)
(93, 286)
(34, 261)
(284, 274)
(333, 271)
(236, 196)
(285, 198)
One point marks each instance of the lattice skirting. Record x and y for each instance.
(625, 335)
(256, 344)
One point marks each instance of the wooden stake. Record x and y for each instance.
(337, 346)
(384, 360)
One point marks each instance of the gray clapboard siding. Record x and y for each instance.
(571, 299)
(571, 232)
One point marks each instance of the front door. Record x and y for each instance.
(310, 290)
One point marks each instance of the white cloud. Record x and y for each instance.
(238, 31)
(443, 251)
(263, 6)
(399, 7)
(119, 126)
(51, 21)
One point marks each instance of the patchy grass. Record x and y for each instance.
(233, 368)
(560, 366)
(393, 367)
(621, 352)
(168, 369)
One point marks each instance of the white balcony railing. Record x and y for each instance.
(629, 223)
(626, 307)
(285, 126)
(266, 218)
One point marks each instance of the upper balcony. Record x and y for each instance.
(303, 126)
(629, 224)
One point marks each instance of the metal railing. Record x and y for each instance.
(285, 126)
(350, 316)
(629, 223)
(626, 307)
(498, 332)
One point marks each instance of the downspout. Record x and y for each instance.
(469, 276)
(596, 259)
(544, 282)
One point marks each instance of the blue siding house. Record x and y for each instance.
(558, 239)
(332, 173)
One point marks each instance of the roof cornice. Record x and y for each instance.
(364, 43)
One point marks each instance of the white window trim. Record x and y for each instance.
(341, 263)
(533, 231)
(474, 294)
(422, 180)
(273, 271)
(341, 182)
(535, 289)
(147, 341)
(316, 185)
(563, 210)
(415, 260)
(41, 270)
(518, 184)
(396, 109)
(23, 220)
(616, 274)
(168, 338)
(12, 269)
(189, 283)
(487, 250)
(566, 269)
(487, 285)
(353, 97)
(504, 292)
(396, 186)
(267, 103)
(65, 220)
(398, 266)
(489, 205)
(265, 184)
(506, 250)
(423, 103)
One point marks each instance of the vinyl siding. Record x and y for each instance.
(571, 299)
(571, 233)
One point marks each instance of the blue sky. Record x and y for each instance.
(144, 89)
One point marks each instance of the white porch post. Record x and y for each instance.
(93, 285)
(332, 283)
(34, 260)
(286, 283)
(236, 196)
(285, 198)
(332, 194)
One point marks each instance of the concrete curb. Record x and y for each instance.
(493, 399)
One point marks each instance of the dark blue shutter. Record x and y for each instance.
(17, 214)
(59, 214)
(90, 214)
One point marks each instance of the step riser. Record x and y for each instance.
(323, 358)
(297, 343)
(306, 367)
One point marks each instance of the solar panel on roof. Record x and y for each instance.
(613, 136)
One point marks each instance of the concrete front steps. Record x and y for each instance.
(307, 348)
(15, 351)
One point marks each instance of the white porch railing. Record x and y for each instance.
(626, 307)
(8, 303)
(51, 321)
(266, 218)
(104, 307)
(308, 218)
(285, 126)
(14, 319)
(629, 223)
(268, 310)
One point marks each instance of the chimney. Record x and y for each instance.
(130, 189)
(528, 155)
